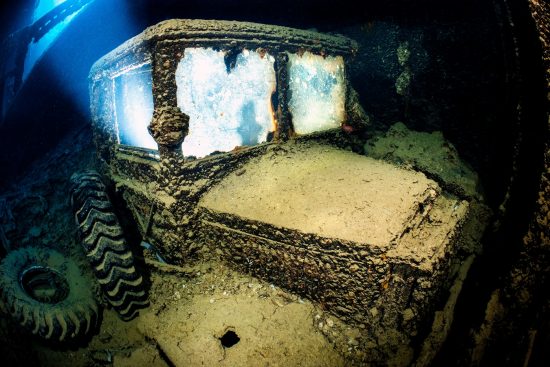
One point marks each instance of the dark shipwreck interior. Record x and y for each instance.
(474, 74)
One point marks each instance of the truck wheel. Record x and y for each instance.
(105, 246)
(47, 294)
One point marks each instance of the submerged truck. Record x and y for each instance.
(230, 139)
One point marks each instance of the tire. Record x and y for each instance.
(105, 246)
(47, 294)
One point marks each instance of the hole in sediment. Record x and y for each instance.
(229, 339)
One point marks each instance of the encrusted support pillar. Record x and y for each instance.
(283, 114)
(169, 125)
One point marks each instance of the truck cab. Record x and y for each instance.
(228, 139)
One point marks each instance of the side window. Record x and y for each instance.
(317, 92)
(134, 107)
(229, 103)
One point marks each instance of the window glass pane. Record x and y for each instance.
(227, 106)
(317, 92)
(134, 107)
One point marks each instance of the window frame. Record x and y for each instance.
(163, 46)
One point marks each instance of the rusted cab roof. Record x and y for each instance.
(222, 34)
